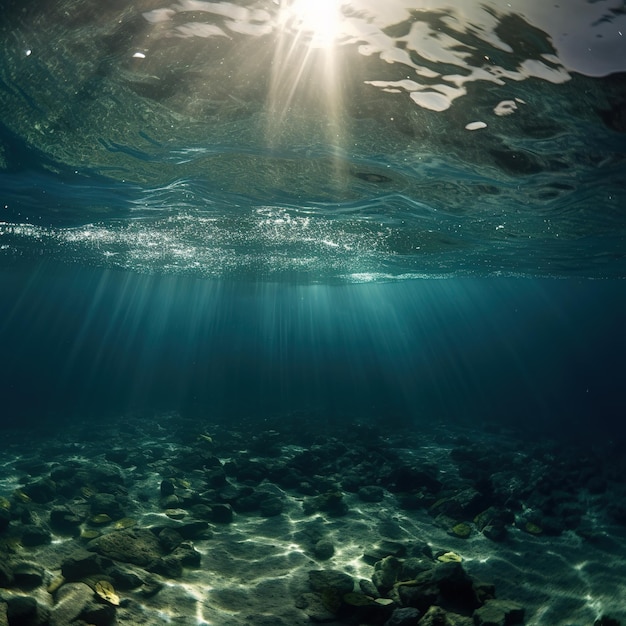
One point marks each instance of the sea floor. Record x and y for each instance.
(197, 522)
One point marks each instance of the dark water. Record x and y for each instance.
(231, 210)
(542, 355)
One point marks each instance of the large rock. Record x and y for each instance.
(25, 611)
(386, 573)
(108, 504)
(71, 600)
(66, 520)
(34, 535)
(406, 616)
(322, 580)
(41, 491)
(27, 575)
(134, 545)
(81, 564)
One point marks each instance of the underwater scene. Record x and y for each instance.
(313, 312)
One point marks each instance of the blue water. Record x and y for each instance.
(229, 210)
(536, 355)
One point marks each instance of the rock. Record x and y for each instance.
(406, 616)
(6, 574)
(71, 600)
(81, 564)
(251, 472)
(5, 518)
(25, 611)
(386, 573)
(108, 504)
(461, 530)
(371, 493)
(27, 575)
(41, 491)
(216, 477)
(201, 511)
(33, 535)
(101, 475)
(167, 488)
(176, 514)
(322, 580)
(498, 613)
(168, 566)
(324, 549)
(99, 614)
(221, 513)
(454, 583)
(124, 579)
(414, 566)
(495, 533)
(314, 607)
(194, 529)
(66, 520)
(385, 548)
(134, 545)
(272, 506)
(187, 555)
(170, 502)
(465, 504)
(435, 616)
(151, 587)
(169, 538)
(330, 502)
(4, 617)
(368, 588)
(484, 591)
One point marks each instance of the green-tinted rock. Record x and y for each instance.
(462, 530)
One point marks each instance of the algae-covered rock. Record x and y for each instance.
(532, 528)
(134, 545)
(461, 530)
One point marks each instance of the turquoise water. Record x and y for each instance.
(354, 143)
(204, 198)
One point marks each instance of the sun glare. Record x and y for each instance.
(318, 20)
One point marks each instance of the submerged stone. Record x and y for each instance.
(321, 580)
(499, 613)
(71, 600)
(136, 545)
